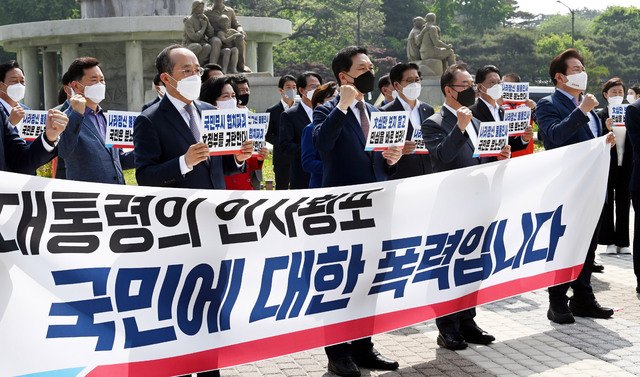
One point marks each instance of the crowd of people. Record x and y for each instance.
(319, 141)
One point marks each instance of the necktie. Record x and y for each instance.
(364, 118)
(193, 124)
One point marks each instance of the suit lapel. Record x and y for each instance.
(568, 103)
(176, 121)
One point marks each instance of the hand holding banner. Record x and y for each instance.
(416, 137)
(32, 125)
(492, 137)
(120, 129)
(224, 131)
(257, 124)
(515, 91)
(617, 113)
(518, 119)
(388, 129)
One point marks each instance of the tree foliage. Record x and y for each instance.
(481, 15)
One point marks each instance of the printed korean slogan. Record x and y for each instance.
(108, 280)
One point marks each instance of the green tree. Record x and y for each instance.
(561, 24)
(616, 42)
(481, 15)
(445, 11)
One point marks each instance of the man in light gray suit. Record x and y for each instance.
(82, 144)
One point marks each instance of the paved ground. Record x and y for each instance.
(527, 344)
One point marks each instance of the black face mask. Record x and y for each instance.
(467, 97)
(365, 82)
(243, 99)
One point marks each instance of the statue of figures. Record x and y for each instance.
(413, 47)
(196, 30)
(431, 45)
(229, 38)
(216, 12)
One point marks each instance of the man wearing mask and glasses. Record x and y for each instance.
(451, 135)
(487, 108)
(340, 131)
(82, 144)
(406, 81)
(168, 147)
(566, 117)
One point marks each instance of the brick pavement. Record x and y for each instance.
(527, 344)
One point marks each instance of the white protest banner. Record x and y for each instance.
(492, 137)
(416, 137)
(33, 124)
(515, 91)
(110, 280)
(258, 124)
(120, 129)
(519, 119)
(224, 131)
(617, 113)
(387, 129)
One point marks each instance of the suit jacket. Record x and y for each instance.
(61, 168)
(561, 122)
(273, 134)
(161, 137)
(413, 164)
(292, 122)
(85, 155)
(483, 114)
(150, 103)
(449, 147)
(311, 160)
(16, 156)
(339, 138)
(633, 132)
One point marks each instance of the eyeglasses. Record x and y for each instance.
(190, 72)
(412, 80)
(474, 86)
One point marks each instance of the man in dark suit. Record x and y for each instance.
(451, 135)
(17, 157)
(564, 118)
(341, 126)
(82, 143)
(166, 136)
(168, 152)
(632, 121)
(405, 78)
(281, 161)
(387, 90)
(292, 122)
(160, 89)
(487, 108)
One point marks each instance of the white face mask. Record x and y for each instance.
(495, 91)
(394, 94)
(16, 91)
(412, 91)
(617, 100)
(229, 104)
(631, 98)
(290, 94)
(310, 94)
(577, 81)
(162, 90)
(95, 92)
(189, 87)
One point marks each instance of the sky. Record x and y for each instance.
(553, 7)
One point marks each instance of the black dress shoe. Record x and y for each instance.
(591, 309)
(597, 267)
(560, 314)
(344, 367)
(477, 335)
(452, 341)
(374, 360)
